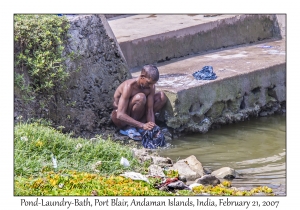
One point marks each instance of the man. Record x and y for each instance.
(135, 101)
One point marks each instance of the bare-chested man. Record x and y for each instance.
(135, 100)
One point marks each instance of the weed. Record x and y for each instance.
(40, 43)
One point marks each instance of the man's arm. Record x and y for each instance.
(150, 102)
(122, 107)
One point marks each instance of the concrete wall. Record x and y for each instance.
(281, 20)
(197, 109)
(86, 105)
(240, 29)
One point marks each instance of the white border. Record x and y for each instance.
(8, 201)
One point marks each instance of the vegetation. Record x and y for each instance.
(36, 145)
(225, 189)
(39, 47)
(82, 183)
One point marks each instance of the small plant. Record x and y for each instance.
(39, 43)
(171, 173)
(224, 189)
(226, 183)
(81, 183)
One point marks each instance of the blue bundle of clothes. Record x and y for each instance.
(151, 139)
(206, 73)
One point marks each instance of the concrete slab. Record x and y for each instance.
(155, 38)
(249, 78)
(176, 75)
(139, 26)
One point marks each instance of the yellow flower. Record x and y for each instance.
(39, 143)
(53, 182)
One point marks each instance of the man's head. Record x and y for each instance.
(151, 72)
(149, 76)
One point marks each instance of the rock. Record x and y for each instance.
(194, 164)
(167, 133)
(263, 114)
(207, 170)
(244, 188)
(182, 178)
(185, 170)
(142, 154)
(84, 107)
(167, 138)
(161, 161)
(77, 23)
(178, 185)
(208, 180)
(164, 188)
(225, 173)
(155, 170)
(280, 191)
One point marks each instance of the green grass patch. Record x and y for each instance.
(35, 144)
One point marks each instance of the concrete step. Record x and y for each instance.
(149, 39)
(249, 79)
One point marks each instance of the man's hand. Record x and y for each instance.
(149, 126)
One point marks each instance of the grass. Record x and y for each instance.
(35, 144)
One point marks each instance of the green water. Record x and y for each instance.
(255, 148)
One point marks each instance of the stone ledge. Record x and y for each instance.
(250, 79)
(154, 38)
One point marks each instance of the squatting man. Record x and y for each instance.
(135, 100)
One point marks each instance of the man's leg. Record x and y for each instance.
(137, 106)
(136, 110)
(160, 100)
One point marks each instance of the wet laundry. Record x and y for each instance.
(150, 139)
(153, 139)
(206, 73)
(132, 133)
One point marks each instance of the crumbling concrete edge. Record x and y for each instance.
(234, 99)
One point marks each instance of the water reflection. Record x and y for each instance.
(254, 148)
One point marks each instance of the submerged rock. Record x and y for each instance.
(190, 168)
(208, 180)
(182, 178)
(178, 185)
(161, 161)
(225, 173)
(184, 170)
(194, 164)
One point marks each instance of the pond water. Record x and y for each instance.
(255, 148)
